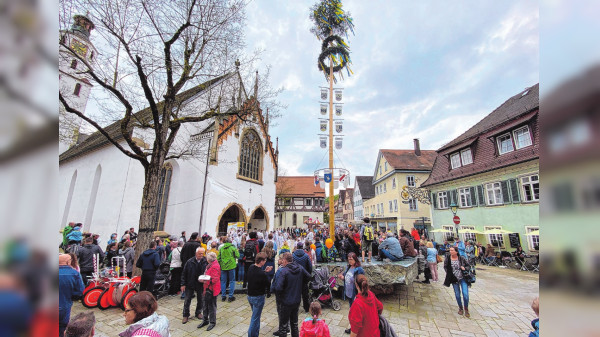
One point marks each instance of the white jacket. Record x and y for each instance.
(176, 258)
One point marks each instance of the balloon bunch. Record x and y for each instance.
(330, 21)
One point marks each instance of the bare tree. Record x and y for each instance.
(154, 54)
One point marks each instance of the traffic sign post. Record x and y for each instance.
(456, 220)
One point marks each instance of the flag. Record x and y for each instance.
(316, 180)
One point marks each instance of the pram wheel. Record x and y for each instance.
(336, 305)
(90, 299)
(127, 296)
(103, 300)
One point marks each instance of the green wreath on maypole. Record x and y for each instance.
(330, 21)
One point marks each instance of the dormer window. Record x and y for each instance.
(461, 158)
(466, 157)
(505, 144)
(74, 64)
(522, 137)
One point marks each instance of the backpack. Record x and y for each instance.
(250, 251)
(368, 234)
(319, 254)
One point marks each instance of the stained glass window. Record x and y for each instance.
(250, 156)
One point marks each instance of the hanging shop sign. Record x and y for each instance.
(323, 109)
(338, 142)
(323, 126)
(338, 95)
(323, 94)
(323, 142)
(338, 126)
(338, 110)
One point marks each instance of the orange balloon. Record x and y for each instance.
(329, 243)
(313, 247)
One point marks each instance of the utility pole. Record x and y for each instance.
(331, 196)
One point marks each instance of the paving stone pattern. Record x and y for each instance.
(500, 303)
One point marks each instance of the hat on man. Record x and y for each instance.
(300, 245)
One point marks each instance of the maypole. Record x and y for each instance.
(330, 21)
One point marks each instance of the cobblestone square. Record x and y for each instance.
(499, 304)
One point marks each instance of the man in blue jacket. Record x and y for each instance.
(149, 262)
(70, 285)
(302, 259)
(390, 248)
(288, 287)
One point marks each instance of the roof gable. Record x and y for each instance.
(365, 185)
(298, 186)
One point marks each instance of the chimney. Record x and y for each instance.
(417, 147)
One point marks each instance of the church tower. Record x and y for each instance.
(74, 84)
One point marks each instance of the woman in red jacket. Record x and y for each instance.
(212, 289)
(365, 311)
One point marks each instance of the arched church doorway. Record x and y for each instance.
(258, 219)
(232, 214)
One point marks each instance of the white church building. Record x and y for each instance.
(230, 178)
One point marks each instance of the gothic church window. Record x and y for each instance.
(250, 163)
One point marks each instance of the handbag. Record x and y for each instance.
(469, 275)
(439, 259)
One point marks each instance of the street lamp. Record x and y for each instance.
(454, 209)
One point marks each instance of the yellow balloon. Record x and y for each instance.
(329, 243)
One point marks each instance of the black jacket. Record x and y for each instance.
(302, 259)
(188, 251)
(191, 271)
(85, 256)
(450, 278)
(288, 284)
(148, 261)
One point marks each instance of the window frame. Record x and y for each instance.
(497, 236)
(251, 163)
(412, 201)
(450, 234)
(396, 205)
(445, 196)
(514, 133)
(393, 183)
(469, 236)
(307, 201)
(414, 181)
(77, 89)
(499, 143)
(530, 238)
(462, 160)
(452, 164)
(391, 204)
(522, 187)
(385, 167)
(384, 187)
(497, 202)
(467, 197)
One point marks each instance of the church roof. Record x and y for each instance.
(295, 186)
(98, 140)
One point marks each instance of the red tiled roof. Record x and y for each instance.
(408, 160)
(509, 116)
(298, 186)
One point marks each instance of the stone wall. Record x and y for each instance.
(384, 277)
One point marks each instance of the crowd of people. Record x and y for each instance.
(278, 263)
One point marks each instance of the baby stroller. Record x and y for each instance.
(162, 280)
(320, 286)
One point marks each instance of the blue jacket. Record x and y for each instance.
(318, 248)
(301, 258)
(357, 271)
(69, 285)
(535, 324)
(392, 245)
(75, 235)
(461, 249)
(288, 284)
(148, 261)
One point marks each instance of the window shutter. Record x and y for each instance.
(454, 197)
(505, 194)
(514, 191)
(473, 196)
(434, 200)
(481, 196)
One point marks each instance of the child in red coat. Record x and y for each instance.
(313, 326)
(365, 311)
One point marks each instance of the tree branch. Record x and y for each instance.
(100, 129)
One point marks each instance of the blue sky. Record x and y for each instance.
(427, 71)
